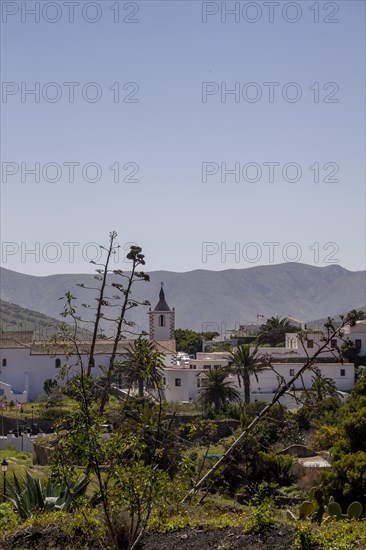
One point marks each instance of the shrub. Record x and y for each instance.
(346, 480)
(273, 467)
(325, 437)
(8, 518)
(305, 539)
(261, 520)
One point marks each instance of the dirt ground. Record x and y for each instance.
(277, 538)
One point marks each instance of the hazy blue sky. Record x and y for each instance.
(166, 124)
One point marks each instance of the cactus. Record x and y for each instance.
(309, 509)
(306, 509)
(354, 510)
(335, 510)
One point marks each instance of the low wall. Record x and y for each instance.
(21, 443)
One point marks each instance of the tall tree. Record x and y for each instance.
(246, 364)
(322, 388)
(143, 366)
(273, 331)
(216, 390)
(358, 315)
(190, 341)
(113, 296)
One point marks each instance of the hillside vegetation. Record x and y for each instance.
(14, 317)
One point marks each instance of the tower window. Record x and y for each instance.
(4, 363)
(178, 382)
(343, 372)
(161, 321)
(57, 363)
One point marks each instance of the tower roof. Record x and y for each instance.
(162, 305)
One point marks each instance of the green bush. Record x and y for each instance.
(305, 539)
(273, 467)
(261, 519)
(346, 480)
(8, 518)
(354, 426)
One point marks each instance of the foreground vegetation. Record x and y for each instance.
(257, 473)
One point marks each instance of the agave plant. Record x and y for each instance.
(28, 495)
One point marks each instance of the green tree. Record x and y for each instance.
(143, 366)
(358, 315)
(322, 388)
(346, 480)
(273, 331)
(246, 364)
(350, 351)
(49, 385)
(190, 341)
(217, 392)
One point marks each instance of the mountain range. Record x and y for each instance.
(208, 300)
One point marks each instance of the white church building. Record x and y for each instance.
(26, 363)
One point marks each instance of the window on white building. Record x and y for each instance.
(292, 372)
(343, 372)
(161, 321)
(58, 363)
(310, 344)
(206, 366)
(333, 343)
(178, 382)
(358, 344)
(4, 362)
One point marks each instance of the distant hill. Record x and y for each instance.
(209, 300)
(14, 317)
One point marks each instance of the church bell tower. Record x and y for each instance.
(161, 320)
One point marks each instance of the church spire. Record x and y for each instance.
(162, 305)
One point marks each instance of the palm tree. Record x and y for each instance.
(322, 388)
(217, 391)
(357, 315)
(143, 365)
(245, 364)
(273, 331)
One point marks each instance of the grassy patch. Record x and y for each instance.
(38, 410)
(19, 461)
(332, 535)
